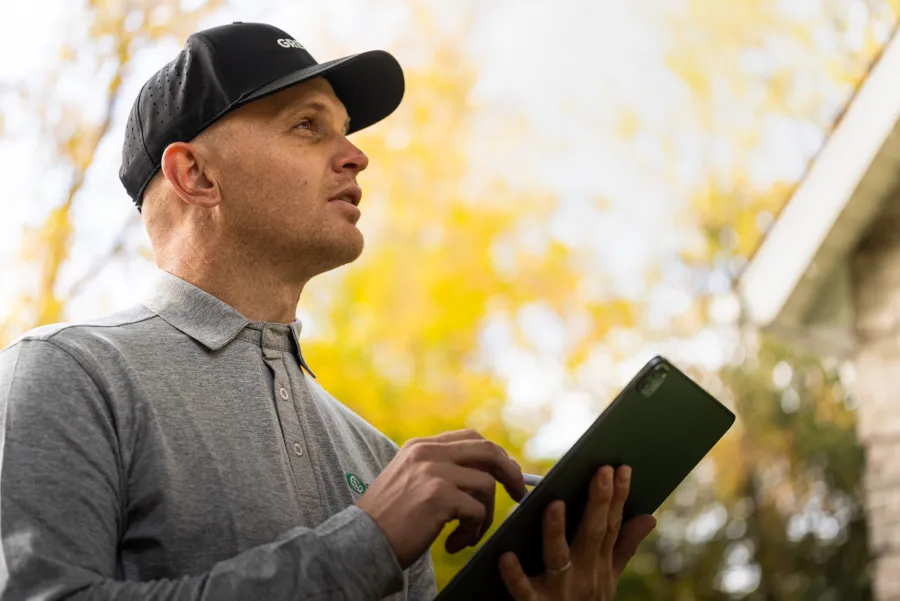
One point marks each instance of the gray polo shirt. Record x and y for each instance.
(177, 451)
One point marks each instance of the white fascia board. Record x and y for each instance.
(813, 212)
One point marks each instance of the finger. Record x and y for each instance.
(480, 485)
(465, 478)
(468, 434)
(488, 502)
(444, 437)
(482, 488)
(594, 521)
(517, 583)
(633, 534)
(489, 457)
(462, 537)
(614, 520)
(455, 435)
(555, 546)
(470, 513)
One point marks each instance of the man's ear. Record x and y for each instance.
(187, 169)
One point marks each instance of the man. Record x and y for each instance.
(183, 449)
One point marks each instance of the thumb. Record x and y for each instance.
(632, 535)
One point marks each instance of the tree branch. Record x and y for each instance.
(49, 308)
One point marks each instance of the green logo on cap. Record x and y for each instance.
(356, 483)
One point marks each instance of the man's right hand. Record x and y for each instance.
(436, 480)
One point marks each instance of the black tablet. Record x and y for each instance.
(662, 424)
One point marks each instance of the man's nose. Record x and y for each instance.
(352, 158)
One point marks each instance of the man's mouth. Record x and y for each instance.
(350, 195)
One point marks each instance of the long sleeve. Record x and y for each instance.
(422, 584)
(62, 493)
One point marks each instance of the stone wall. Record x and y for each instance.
(876, 276)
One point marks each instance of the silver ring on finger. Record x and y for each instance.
(561, 570)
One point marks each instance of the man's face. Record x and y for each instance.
(288, 180)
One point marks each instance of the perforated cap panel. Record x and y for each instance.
(222, 68)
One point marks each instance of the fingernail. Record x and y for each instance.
(559, 512)
(624, 475)
(607, 475)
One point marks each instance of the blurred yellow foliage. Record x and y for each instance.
(118, 28)
(398, 335)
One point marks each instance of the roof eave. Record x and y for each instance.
(831, 209)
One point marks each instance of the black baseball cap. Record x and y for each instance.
(225, 67)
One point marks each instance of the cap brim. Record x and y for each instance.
(370, 85)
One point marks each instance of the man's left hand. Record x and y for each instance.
(590, 569)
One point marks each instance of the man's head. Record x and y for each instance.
(239, 148)
(274, 180)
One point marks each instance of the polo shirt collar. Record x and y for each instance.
(200, 315)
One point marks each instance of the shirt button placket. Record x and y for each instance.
(289, 419)
(285, 395)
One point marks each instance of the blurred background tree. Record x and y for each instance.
(461, 255)
(110, 34)
(778, 511)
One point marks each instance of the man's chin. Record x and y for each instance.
(351, 246)
(351, 252)
(340, 252)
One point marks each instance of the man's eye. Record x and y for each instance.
(305, 124)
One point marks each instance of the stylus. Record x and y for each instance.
(532, 480)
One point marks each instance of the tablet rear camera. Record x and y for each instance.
(653, 380)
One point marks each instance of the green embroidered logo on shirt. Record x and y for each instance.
(356, 483)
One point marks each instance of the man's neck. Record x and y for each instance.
(255, 293)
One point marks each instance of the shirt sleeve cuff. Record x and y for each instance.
(361, 547)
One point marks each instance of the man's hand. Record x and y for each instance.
(590, 570)
(436, 480)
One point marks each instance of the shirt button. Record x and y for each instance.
(283, 392)
(298, 449)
